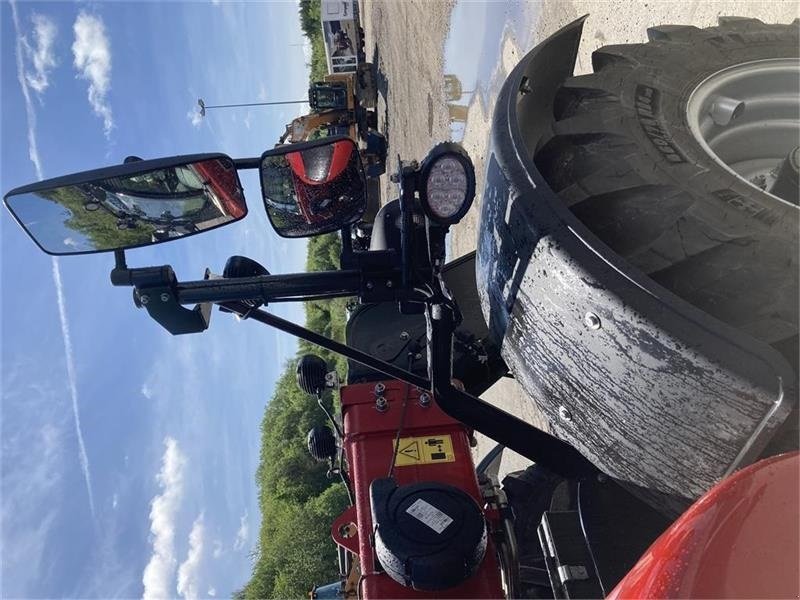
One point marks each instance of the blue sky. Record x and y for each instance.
(128, 455)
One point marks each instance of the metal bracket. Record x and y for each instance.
(572, 573)
(163, 307)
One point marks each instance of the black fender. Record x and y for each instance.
(653, 391)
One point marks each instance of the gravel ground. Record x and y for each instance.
(406, 40)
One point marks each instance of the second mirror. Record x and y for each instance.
(313, 188)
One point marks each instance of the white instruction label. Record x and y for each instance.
(430, 515)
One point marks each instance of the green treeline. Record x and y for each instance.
(310, 22)
(298, 503)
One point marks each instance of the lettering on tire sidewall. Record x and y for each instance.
(648, 114)
(748, 206)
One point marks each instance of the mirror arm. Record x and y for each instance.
(346, 255)
(120, 274)
(247, 163)
(408, 174)
(272, 288)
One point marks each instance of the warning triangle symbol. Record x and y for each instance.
(411, 450)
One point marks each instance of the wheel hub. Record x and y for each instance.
(747, 118)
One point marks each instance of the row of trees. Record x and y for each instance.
(311, 23)
(298, 502)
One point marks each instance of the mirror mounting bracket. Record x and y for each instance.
(154, 289)
(163, 307)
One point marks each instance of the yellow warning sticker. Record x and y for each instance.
(425, 450)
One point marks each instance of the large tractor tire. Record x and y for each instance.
(669, 152)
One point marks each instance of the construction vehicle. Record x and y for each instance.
(671, 469)
(343, 104)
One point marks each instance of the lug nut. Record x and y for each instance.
(424, 399)
(381, 404)
(379, 387)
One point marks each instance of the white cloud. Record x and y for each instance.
(72, 381)
(33, 148)
(217, 552)
(194, 116)
(147, 391)
(188, 572)
(212, 592)
(92, 58)
(41, 53)
(158, 573)
(241, 534)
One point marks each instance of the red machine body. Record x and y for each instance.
(740, 540)
(309, 182)
(222, 179)
(434, 447)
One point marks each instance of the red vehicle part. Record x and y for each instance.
(337, 157)
(222, 181)
(330, 163)
(369, 444)
(740, 540)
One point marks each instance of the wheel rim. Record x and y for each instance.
(747, 118)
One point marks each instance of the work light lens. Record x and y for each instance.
(446, 188)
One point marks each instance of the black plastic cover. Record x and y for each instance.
(428, 536)
(321, 443)
(310, 374)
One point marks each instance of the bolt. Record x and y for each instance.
(370, 285)
(424, 399)
(417, 356)
(404, 335)
(381, 404)
(165, 297)
(379, 387)
(144, 298)
(591, 320)
(564, 413)
(389, 283)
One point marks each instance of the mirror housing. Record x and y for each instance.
(138, 203)
(313, 188)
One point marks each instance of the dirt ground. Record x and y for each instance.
(405, 39)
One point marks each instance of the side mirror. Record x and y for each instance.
(135, 204)
(313, 188)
